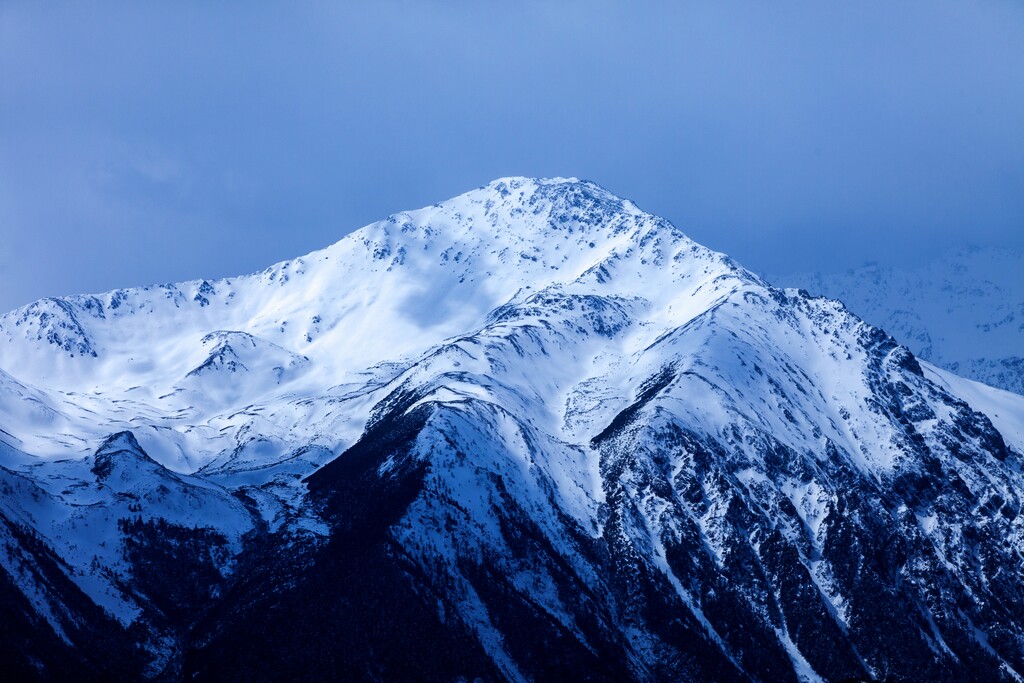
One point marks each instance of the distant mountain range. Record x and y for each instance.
(528, 433)
(963, 312)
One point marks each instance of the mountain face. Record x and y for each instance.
(963, 312)
(530, 433)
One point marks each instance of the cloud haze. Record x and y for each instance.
(167, 141)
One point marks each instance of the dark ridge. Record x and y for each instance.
(650, 388)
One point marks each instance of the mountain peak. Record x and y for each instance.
(121, 441)
(543, 430)
(531, 209)
(118, 449)
(414, 277)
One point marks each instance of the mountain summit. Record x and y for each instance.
(528, 433)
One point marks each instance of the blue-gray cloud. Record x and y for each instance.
(159, 142)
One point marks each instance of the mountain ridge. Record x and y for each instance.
(963, 311)
(538, 433)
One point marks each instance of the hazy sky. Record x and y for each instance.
(149, 142)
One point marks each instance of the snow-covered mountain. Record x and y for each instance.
(529, 433)
(963, 312)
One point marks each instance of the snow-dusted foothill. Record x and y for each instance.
(529, 433)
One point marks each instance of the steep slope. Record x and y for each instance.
(526, 434)
(113, 552)
(963, 311)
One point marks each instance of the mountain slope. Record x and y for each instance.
(963, 312)
(528, 433)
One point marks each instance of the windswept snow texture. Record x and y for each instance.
(530, 433)
(963, 312)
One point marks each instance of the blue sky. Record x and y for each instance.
(155, 142)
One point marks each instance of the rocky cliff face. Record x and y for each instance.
(529, 433)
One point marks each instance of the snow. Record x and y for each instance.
(1003, 408)
(528, 316)
(963, 311)
(804, 671)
